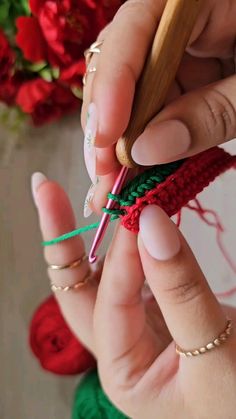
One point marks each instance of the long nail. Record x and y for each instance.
(159, 234)
(36, 181)
(167, 141)
(89, 197)
(89, 141)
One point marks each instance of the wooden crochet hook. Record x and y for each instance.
(172, 36)
(169, 44)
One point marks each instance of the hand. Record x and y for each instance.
(133, 339)
(200, 110)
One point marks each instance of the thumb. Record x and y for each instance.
(190, 309)
(193, 123)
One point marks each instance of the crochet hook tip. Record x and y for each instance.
(92, 259)
(106, 217)
(98, 237)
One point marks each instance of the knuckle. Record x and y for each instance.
(221, 116)
(140, 8)
(132, 5)
(184, 292)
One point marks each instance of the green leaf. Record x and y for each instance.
(9, 11)
(46, 74)
(25, 6)
(4, 12)
(77, 92)
(35, 67)
(20, 7)
(55, 73)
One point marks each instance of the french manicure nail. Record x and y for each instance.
(159, 234)
(89, 197)
(167, 141)
(36, 181)
(89, 141)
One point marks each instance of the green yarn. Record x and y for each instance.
(90, 401)
(71, 234)
(136, 188)
(144, 182)
(115, 212)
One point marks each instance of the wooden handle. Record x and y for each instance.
(171, 39)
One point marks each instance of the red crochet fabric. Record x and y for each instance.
(182, 186)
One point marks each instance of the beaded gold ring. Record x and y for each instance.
(222, 338)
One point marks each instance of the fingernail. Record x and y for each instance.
(89, 197)
(159, 234)
(89, 141)
(166, 141)
(36, 180)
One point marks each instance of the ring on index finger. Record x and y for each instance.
(93, 49)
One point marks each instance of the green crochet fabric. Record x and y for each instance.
(136, 188)
(146, 181)
(91, 403)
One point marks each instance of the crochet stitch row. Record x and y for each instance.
(181, 186)
(171, 186)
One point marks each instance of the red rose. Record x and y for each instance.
(7, 58)
(30, 39)
(54, 344)
(73, 75)
(45, 101)
(9, 89)
(110, 7)
(62, 30)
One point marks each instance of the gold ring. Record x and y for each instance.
(223, 337)
(93, 49)
(89, 71)
(76, 286)
(71, 265)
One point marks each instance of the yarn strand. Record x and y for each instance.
(70, 235)
(133, 190)
(171, 186)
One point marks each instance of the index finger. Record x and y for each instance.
(119, 66)
(123, 54)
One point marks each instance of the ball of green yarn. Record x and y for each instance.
(91, 403)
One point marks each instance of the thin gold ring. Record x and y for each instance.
(222, 338)
(73, 287)
(71, 265)
(89, 71)
(93, 49)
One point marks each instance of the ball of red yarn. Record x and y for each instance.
(55, 346)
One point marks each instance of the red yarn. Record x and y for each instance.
(202, 212)
(182, 186)
(53, 343)
(179, 218)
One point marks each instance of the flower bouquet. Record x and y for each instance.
(42, 45)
